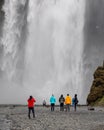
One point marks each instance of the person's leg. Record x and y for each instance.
(29, 110)
(68, 107)
(53, 107)
(75, 106)
(62, 106)
(33, 111)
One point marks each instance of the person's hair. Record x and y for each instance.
(67, 94)
(30, 97)
(61, 95)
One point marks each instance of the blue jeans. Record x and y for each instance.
(67, 107)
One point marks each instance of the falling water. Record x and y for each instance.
(42, 47)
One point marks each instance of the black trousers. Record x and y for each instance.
(52, 106)
(29, 111)
(61, 106)
(75, 106)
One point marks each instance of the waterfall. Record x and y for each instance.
(42, 48)
(12, 34)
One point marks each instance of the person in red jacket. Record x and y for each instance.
(31, 102)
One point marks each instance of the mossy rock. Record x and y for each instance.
(98, 82)
(99, 102)
(99, 73)
(96, 95)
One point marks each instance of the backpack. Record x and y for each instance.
(62, 100)
(76, 101)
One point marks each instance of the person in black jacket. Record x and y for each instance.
(61, 101)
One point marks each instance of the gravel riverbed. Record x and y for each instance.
(15, 118)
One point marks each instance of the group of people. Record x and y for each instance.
(65, 103)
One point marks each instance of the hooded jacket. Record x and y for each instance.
(61, 99)
(52, 99)
(68, 100)
(31, 102)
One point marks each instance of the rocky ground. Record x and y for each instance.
(15, 118)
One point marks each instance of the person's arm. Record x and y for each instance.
(55, 100)
(59, 99)
(64, 100)
(70, 100)
(34, 100)
(77, 101)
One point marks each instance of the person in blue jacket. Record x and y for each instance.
(75, 102)
(52, 101)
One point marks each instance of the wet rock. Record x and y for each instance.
(91, 108)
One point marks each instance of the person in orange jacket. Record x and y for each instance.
(31, 102)
(68, 101)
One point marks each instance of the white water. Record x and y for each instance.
(49, 60)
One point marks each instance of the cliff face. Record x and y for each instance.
(96, 95)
